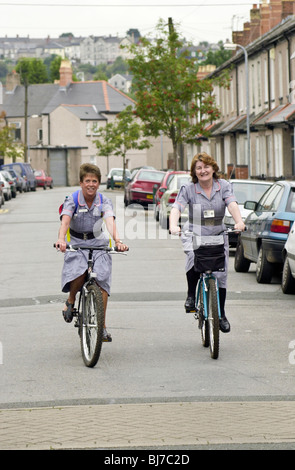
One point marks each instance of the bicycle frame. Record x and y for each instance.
(90, 279)
(203, 284)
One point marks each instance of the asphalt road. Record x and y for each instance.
(156, 353)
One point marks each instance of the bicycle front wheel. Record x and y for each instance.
(92, 326)
(213, 319)
(203, 323)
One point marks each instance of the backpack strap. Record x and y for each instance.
(75, 198)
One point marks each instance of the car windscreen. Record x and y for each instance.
(150, 176)
(183, 180)
(249, 191)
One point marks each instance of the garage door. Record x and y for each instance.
(58, 166)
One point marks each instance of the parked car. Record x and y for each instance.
(288, 274)
(162, 188)
(43, 179)
(115, 177)
(267, 231)
(244, 190)
(2, 198)
(26, 171)
(140, 189)
(19, 181)
(169, 197)
(5, 187)
(11, 182)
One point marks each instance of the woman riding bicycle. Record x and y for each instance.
(84, 222)
(207, 197)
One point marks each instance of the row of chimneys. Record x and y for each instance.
(263, 19)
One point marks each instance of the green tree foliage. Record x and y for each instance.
(124, 134)
(7, 145)
(54, 68)
(169, 96)
(32, 71)
(218, 57)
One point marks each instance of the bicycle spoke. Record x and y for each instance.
(92, 328)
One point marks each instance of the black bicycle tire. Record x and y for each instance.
(91, 358)
(213, 319)
(203, 324)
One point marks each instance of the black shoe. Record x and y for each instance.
(224, 325)
(190, 305)
(68, 313)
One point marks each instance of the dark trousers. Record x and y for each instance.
(192, 280)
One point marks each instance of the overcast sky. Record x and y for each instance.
(199, 20)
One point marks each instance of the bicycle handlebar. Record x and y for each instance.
(226, 231)
(86, 247)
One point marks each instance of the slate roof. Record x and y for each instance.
(83, 111)
(43, 99)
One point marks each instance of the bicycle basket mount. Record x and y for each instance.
(209, 258)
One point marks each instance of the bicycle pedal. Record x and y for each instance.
(190, 310)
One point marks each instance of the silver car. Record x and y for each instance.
(288, 275)
(6, 188)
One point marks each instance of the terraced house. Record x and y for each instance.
(63, 119)
(267, 42)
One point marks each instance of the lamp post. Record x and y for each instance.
(231, 46)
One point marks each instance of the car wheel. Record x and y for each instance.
(288, 281)
(163, 221)
(156, 213)
(242, 264)
(264, 269)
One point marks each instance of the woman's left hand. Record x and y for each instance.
(240, 226)
(121, 246)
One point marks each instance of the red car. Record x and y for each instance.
(162, 188)
(43, 179)
(142, 186)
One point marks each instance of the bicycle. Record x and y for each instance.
(207, 311)
(90, 312)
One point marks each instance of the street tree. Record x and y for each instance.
(121, 135)
(8, 147)
(170, 98)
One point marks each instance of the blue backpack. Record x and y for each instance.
(75, 197)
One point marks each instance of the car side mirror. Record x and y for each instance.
(251, 205)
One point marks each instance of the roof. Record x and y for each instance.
(38, 97)
(43, 99)
(279, 115)
(83, 111)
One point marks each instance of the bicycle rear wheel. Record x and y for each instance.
(203, 323)
(213, 319)
(92, 326)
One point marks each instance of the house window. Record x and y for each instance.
(281, 93)
(241, 92)
(259, 83)
(40, 134)
(265, 80)
(272, 77)
(15, 130)
(95, 128)
(88, 128)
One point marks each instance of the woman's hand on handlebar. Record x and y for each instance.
(61, 245)
(240, 226)
(175, 230)
(120, 246)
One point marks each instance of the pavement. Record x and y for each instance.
(168, 425)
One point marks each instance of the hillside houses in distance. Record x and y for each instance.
(94, 50)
